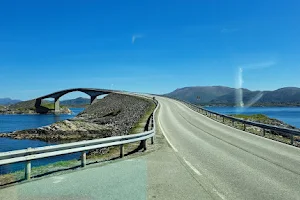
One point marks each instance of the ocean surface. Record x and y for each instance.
(289, 115)
(9, 123)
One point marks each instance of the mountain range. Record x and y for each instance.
(80, 101)
(8, 101)
(69, 102)
(221, 95)
(77, 101)
(212, 95)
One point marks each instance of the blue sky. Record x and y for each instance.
(147, 46)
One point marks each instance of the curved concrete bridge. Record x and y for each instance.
(93, 93)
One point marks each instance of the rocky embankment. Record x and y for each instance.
(111, 116)
(28, 107)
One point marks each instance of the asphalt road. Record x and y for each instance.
(156, 175)
(230, 163)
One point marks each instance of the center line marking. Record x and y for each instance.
(192, 167)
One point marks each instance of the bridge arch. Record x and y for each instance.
(93, 93)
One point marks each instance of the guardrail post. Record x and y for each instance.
(83, 159)
(232, 123)
(144, 145)
(223, 119)
(152, 140)
(122, 150)
(264, 132)
(292, 139)
(244, 128)
(28, 170)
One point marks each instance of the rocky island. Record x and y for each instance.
(28, 107)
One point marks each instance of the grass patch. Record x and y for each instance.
(11, 177)
(54, 167)
(140, 125)
(37, 171)
(51, 106)
(255, 117)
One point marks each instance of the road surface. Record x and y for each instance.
(228, 162)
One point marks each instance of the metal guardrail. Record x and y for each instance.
(27, 155)
(287, 131)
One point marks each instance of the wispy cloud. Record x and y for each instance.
(135, 37)
(259, 65)
(229, 30)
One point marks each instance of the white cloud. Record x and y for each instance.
(134, 37)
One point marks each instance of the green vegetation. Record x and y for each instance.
(51, 106)
(23, 105)
(19, 175)
(77, 105)
(274, 135)
(140, 125)
(256, 117)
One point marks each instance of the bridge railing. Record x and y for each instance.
(286, 131)
(27, 155)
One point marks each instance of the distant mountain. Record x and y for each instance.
(80, 101)
(287, 94)
(77, 101)
(206, 93)
(230, 96)
(8, 101)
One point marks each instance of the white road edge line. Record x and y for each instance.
(58, 179)
(192, 167)
(162, 130)
(219, 194)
